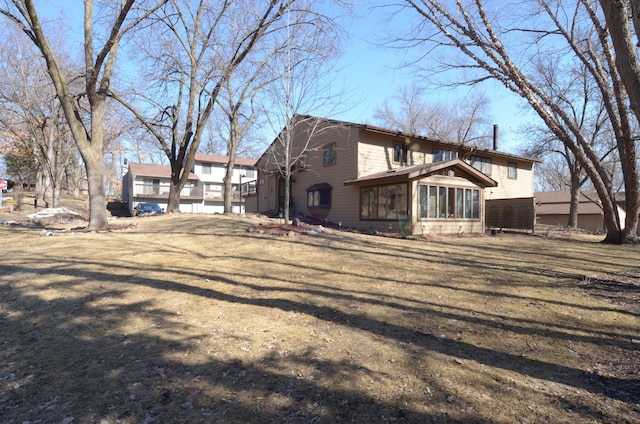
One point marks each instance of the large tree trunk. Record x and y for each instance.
(97, 199)
(92, 155)
(175, 188)
(618, 16)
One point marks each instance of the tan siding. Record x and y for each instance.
(375, 153)
(421, 226)
(362, 151)
(507, 187)
(344, 199)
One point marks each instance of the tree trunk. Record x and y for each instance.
(573, 205)
(287, 196)
(97, 198)
(232, 149)
(618, 21)
(92, 155)
(175, 188)
(574, 173)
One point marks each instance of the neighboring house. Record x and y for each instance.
(552, 208)
(203, 191)
(370, 178)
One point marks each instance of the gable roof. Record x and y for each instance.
(412, 172)
(223, 160)
(558, 203)
(154, 171)
(462, 147)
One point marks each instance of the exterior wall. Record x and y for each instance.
(344, 199)
(127, 190)
(375, 153)
(423, 226)
(586, 222)
(205, 195)
(362, 151)
(521, 186)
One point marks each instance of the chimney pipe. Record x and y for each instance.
(495, 137)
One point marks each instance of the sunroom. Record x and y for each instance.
(435, 198)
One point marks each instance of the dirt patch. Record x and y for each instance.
(622, 290)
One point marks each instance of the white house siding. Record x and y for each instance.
(194, 197)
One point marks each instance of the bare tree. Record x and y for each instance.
(237, 103)
(99, 65)
(195, 50)
(489, 39)
(31, 114)
(573, 89)
(467, 121)
(302, 85)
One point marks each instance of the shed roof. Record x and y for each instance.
(413, 172)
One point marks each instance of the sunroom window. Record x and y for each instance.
(383, 202)
(441, 202)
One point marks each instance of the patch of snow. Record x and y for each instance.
(51, 212)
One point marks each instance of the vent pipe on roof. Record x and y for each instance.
(495, 137)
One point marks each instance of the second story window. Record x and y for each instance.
(513, 171)
(481, 164)
(400, 153)
(441, 155)
(206, 168)
(330, 154)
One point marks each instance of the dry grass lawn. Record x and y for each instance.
(191, 318)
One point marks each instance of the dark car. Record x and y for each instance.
(144, 209)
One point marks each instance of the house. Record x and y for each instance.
(203, 191)
(552, 208)
(370, 178)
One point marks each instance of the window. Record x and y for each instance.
(400, 153)
(156, 186)
(383, 202)
(330, 154)
(481, 164)
(303, 162)
(250, 173)
(512, 172)
(206, 168)
(449, 202)
(440, 155)
(319, 196)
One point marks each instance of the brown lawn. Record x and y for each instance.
(190, 318)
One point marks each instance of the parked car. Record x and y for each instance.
(145, 209)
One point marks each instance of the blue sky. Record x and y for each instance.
(372, 74)
(369, 73)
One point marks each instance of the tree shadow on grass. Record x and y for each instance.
(137, 376)
(65, 360)
(70, 356)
